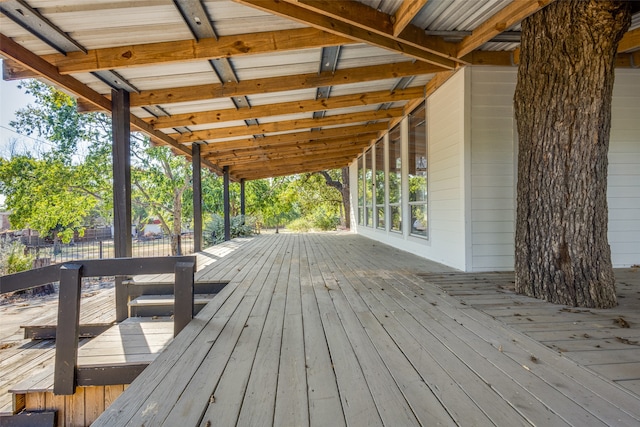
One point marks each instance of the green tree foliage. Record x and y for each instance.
(162, 182)
(69, 185)
(41, 196)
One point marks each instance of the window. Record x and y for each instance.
(418, 172)
(361, 190)
(379, 174)
(368, 188)
(395, 179)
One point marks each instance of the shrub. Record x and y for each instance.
(301, 225)
(13, 258)
(241, 226)
(323, 220)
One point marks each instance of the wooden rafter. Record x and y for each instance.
(291, 148)
(261, 111)
(509, 59)
(630, 41)
(12, 70)
(360, 23)
(251, 174)
(192, 50)
(287, 125)
(508, 16)
(277, 84)
(298, 165)
(405, 13)
(270, 141)
(29, 60)
(292, 157)
(338, 142)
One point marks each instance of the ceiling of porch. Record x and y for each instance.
(266, 87)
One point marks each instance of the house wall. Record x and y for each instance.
(493, 160)
(446, 156)
(623, 190)
(494, 166)
(472, 173)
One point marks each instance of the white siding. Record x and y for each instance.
(472, 173)
(623, 191)
(446, 132)
(492, 168)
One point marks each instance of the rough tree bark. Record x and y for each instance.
(343, 188)
(563, 113)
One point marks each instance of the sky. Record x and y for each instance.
(11, 100)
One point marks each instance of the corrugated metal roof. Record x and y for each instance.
(101, 24)
(456, 15)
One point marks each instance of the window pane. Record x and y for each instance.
(360, 187)
(395, 166)
(368, 188)
(380, 172)
(419, 224)
(396, 218)
(380, 217)
(417, 156)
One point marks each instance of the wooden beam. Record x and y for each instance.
(278, 84)
(261, 111)
(512, 59)
(630, 41)
(508, 16)
(499, 58)
(339, 17)
(284, 126)
(12, 70)
(405, 13)
(290, 146)
(33, 62)
(326, 145)
(628, 60)
(192, 50)
(265, 169)
(292, 158)
(288, 138)
(252, 174)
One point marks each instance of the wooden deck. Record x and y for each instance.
(605, 341)
(326, 329)
(22, 358)
(26, 366)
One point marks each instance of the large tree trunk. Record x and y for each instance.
(563, 112)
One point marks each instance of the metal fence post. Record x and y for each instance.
(183, 292)
(67, 329)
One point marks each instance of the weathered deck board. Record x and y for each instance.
(597, 339)
(20, 361)
(337, 330)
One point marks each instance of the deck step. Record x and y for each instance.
(144, 285)
(162, 305)
(134, 343)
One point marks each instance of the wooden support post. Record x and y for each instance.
(227, 217)
(197, 197)
(121, 190)
(242, 200)
(183, 292)
(68, 329)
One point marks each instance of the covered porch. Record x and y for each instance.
(336, 329)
